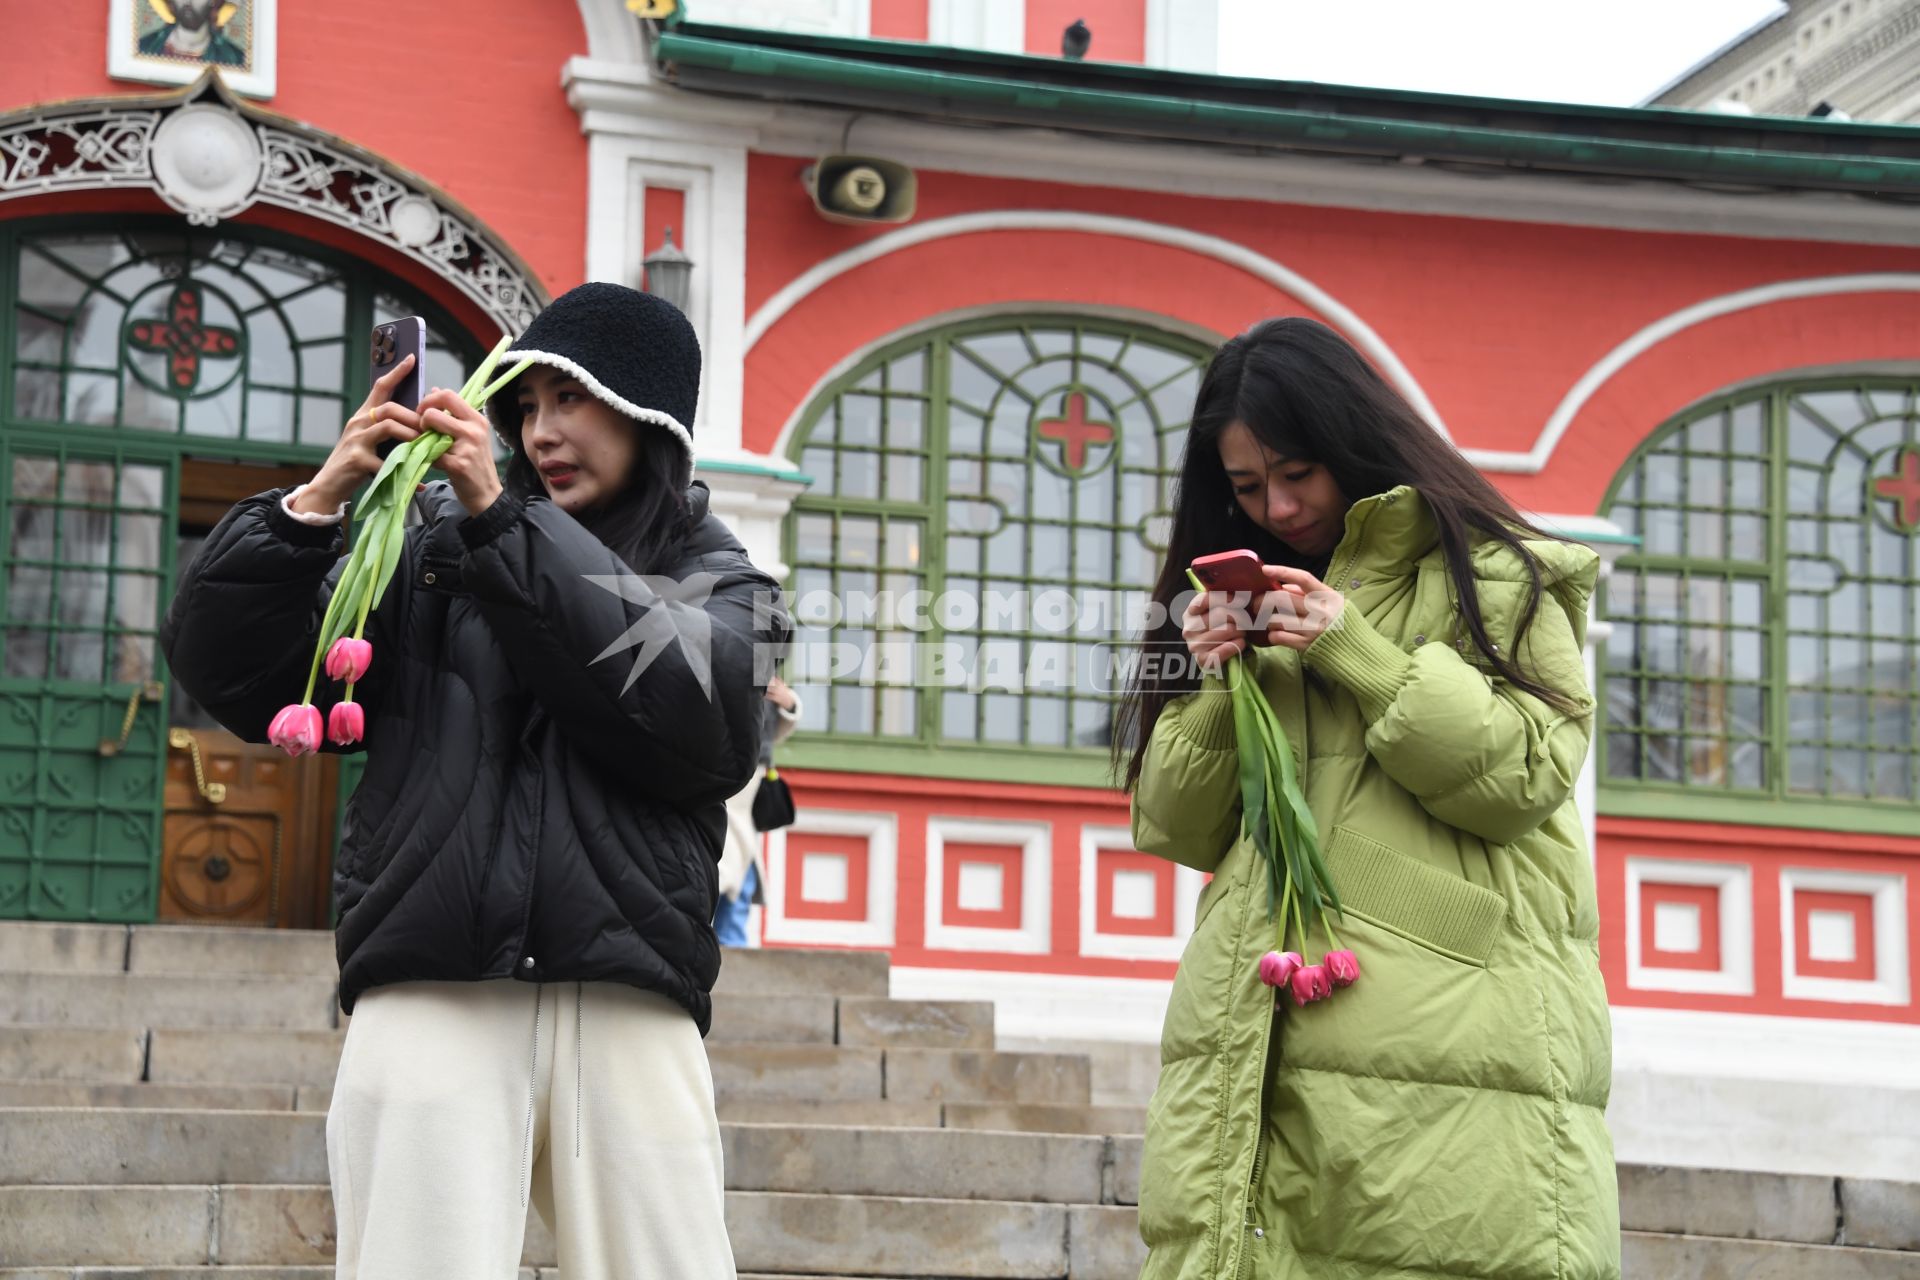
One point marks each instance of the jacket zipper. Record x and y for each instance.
(1247, 1225)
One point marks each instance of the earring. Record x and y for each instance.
(1233, 509)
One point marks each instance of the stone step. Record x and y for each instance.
(773, 1020)
(50, 1147)
(794, 971)
(196, 952)
(777, 1233)
(1647, 1256)
(1096, 1120)
(207, 1273)
(150, 1097)
(875, 1114)
(72, 1053)
(916, 1024)
(62, 948)
(928, 1075)
(854, 1021)
(146, 1000)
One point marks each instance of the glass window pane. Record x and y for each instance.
(860, 420)
(906, 424)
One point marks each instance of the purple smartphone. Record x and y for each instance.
(393, 342)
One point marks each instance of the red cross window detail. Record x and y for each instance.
(183, 337)
(1903, 488)
(1075, 432)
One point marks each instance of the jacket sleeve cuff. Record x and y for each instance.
(1205, 717)
(296, 531)
(478, 531)
(1371, 666)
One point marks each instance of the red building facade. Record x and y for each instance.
(1690, 340)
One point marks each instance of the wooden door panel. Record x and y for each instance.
(258, 855)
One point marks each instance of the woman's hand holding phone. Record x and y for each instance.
(356, 455)
(1292, 612)
(1305, 607)
(468, 462)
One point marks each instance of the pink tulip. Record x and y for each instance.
(1277, 967)
(297, 729)
(346, 723)
(349, 659)
(1311, 983)
(1343, 967)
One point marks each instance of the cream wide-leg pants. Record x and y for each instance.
(457, 1104)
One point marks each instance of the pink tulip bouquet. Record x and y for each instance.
(1274, 814)
(377, 549)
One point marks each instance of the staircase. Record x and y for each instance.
(163, 1095)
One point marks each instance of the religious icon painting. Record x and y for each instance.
(175, 41)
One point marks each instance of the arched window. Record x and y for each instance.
(121, 347)
(1766, 635)
(1016, 470)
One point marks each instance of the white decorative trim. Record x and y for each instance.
(847, 363)
(117, 144)
(1535, 459)
(1261, 267)
(1184, 35)
(1889, 985)
(314, 518)
(996, 25)
(1187, 884)
(881, 832)
(622, 166)
(1034, 936)
(601, 392)
(1734, 880)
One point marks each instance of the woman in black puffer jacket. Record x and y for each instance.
(566, 686)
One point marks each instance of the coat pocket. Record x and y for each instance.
(1420, 903)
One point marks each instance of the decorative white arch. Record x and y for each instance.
(1535, 460)
(211, 155)
(1254, 264)
(853, 359)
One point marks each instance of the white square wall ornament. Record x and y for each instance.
(1680, 925)
(1844, 937)
(1123, 909)
(1020, 873)
(854, 875)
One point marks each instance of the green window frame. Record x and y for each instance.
(1763, 658)
(1005, 458)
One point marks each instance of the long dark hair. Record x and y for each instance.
(1305, 393)
(646, 522)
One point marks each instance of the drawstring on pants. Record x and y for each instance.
(579, 1046)
(533, 1089)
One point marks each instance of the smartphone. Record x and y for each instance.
(1232, 571)
(393, 342)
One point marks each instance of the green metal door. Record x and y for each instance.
(126, 345)
(86, 537)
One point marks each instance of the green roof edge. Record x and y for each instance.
(731, 50)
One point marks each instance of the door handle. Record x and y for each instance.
(211, 792)
(151, 691)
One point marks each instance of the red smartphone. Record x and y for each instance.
(1232, 571)
(393, 342)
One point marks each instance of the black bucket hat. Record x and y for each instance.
(632, 351)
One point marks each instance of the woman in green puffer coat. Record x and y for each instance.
(1442, 1117)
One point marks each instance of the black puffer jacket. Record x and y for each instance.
(525, 812)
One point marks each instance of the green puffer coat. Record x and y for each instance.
(1443, 1117)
